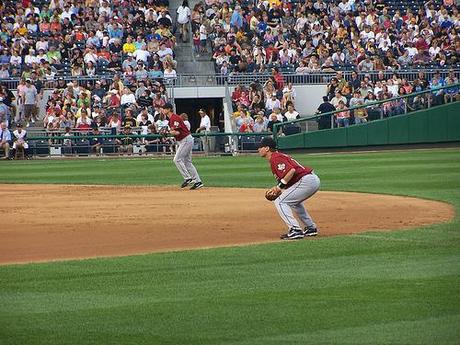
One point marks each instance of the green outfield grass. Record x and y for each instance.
(401, 287)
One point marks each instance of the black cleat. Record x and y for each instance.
(197, 185)
(293, 234)
(186, 183)
(310, 232)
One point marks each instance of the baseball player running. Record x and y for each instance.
(183, 157)
(296, 183)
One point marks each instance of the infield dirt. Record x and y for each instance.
(56, 222)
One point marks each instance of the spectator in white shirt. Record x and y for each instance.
(66, 13)
(345, 6)
(205, 123)
(434, 49)
(105, 9)
(411, 49)
(164, 51)
(90, 56)
(169, 73)
(30, 58)
(41, 44)
(16, 59)
(141, 54)
(367, 34)
(366, 65)
(291, 114)
(272, 103)
(127, 97)
(337, 98)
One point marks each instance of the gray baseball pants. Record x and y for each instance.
(292, 200)
(183, 160)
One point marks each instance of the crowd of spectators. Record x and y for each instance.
(127, 44)
(41, 41)
(260, 106)
(107, 103)
(321, 35)
(86, 38)
(343, 94)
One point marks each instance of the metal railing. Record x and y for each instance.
(213, 80)
(44, 143)
(395, 106)
(55, 143)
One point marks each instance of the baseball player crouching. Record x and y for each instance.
(296, 184)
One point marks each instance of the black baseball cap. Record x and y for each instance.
(167, 106)
(267, 142)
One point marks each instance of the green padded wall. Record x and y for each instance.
(435, 125)
(326, 138)
(418, 127)
(377, 132)
(292, 141)
(453, 123)
(398, 130)
(357, 135)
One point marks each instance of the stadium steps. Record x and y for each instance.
(187, 63)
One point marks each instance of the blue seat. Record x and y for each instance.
(40, 147)
(248, 143)
(109, 145)
(291, 129)
(81, 146)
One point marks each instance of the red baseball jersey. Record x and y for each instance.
(281, 164)
(176, 123)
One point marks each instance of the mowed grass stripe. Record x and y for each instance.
(296, 294)
(399, 287)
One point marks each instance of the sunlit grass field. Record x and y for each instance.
(397, 287)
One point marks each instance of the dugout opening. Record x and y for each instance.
(213, 106)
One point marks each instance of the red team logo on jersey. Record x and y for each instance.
(281, 166)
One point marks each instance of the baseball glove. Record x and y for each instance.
(272, 193)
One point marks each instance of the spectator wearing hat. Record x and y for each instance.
(20, 144)
(98, 90)
(112, 100)
(324, 122)
(272, 103)
(95, 141)
(156, 72)
(164, 51)
(129, 61)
